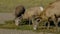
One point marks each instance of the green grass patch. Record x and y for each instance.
(28, 27)
(11, 25)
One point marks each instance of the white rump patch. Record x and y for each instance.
(41, 8)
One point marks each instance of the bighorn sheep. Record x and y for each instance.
(27, 14)
(52, 12)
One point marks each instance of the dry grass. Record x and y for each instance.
(9, 5)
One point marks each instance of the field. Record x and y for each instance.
(9, 5)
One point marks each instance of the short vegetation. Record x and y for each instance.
(9, 5)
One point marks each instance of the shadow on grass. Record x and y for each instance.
(13, 26)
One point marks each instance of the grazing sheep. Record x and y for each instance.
(52, 12)
(27, 14)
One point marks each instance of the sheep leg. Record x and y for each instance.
(56, 23)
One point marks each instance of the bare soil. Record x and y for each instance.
(6, 16)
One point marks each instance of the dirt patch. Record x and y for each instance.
(6, 16)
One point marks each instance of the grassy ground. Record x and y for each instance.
(27, 27)
(10, 25)
(9, 5)
(13, 26)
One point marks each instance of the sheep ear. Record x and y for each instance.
(41, 8)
